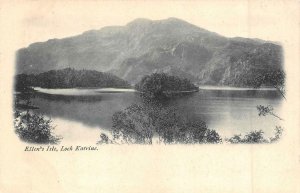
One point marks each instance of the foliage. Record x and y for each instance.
(132, 125)
(277, 135)
(256, 137)
(160, 85)
(265, 110)
(69, 78)
(140, 124)
(257, 78)
(34, 128)
(104, 139)
(252, 137)
(172, 128)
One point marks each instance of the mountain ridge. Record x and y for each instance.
(144, 46)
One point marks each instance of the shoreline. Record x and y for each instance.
(97, 91)
(231, 88)
(80, 91)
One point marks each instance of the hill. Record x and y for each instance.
(143, 47)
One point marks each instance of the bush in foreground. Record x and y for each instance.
(140, 124)
(255, 137)
(33, 128)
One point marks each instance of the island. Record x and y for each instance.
(162, 85)
(69, 78)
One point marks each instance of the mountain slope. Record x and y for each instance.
(144, 46)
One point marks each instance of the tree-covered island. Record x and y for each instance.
(70, 78)
(160, 85)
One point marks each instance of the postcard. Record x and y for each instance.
(149, 96)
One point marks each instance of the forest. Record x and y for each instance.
(69, 78)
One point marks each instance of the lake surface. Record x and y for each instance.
(229, 111)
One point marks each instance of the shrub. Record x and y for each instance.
(277, 134)
(140, 124)
(256, 137)
(266, 110)
(34, 128)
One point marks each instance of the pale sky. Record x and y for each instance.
(39, 21)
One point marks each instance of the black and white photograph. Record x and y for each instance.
(151, 81)
(140, 96)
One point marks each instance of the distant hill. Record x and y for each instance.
(143, 47)
(69, 78)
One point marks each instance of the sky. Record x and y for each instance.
(35, 21)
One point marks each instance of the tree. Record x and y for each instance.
(274, 78)
(265, 110)
(258, 78)
(140, 124)
(161, 85)
(31, 127)
(69, 78)
(34, 128)
(132, 126)
(270, 77)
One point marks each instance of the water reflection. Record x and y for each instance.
(222, 110)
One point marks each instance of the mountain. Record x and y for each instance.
(69, 78)
(143, 46)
